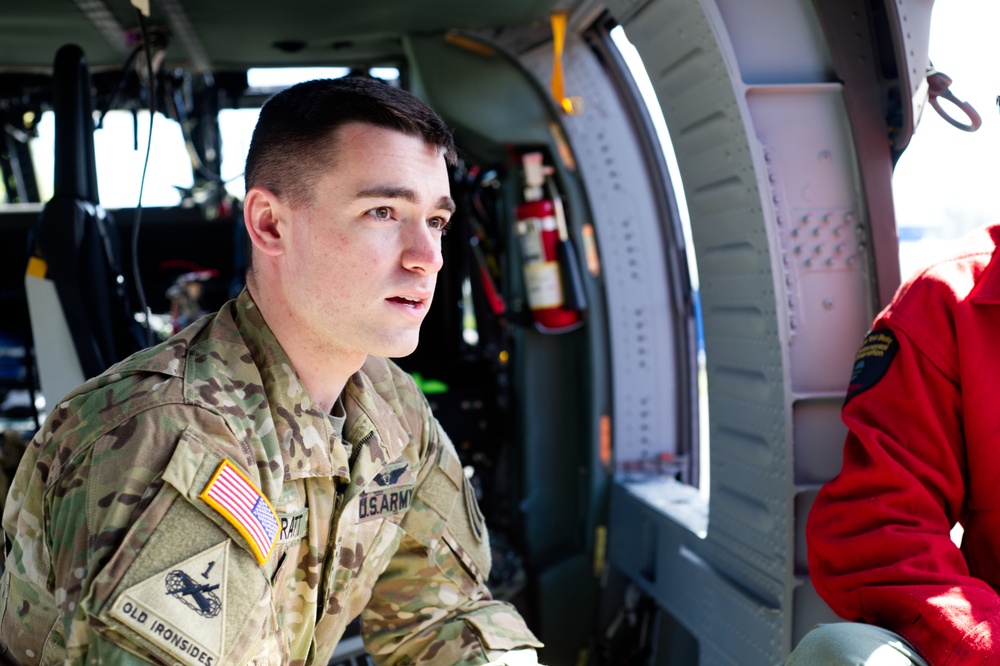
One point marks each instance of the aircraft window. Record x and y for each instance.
(236, 125)
(119, 164)
(169, 174)
(235, 129)
(945, 182)
(385, 73)
(277, 78)
(645, 86)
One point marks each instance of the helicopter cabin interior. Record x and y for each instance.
(645, 436)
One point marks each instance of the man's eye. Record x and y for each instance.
(382, 212)
(439, 224)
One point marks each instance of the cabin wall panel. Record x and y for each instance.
(763, 140)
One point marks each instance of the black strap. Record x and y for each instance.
(6, 658)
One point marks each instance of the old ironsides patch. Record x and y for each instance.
(179, 610)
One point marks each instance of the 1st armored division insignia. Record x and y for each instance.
(180, 610)
(201, 598)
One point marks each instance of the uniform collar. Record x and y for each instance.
(373, 426)
(302, 432)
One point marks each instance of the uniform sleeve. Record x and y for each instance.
(431, 605)
(879, 533)
(52, 548)
(115, 562)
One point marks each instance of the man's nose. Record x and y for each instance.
(422, 251)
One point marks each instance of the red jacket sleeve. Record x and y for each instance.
(879, 533)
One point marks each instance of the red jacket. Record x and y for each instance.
(922, 453)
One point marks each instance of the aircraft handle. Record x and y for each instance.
(939, 86)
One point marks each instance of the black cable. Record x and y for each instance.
(182, 118)
(126, 70)
(142, 181)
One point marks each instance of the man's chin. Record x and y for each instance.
(400, 348)
(401, 354)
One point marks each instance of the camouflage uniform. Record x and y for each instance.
(118, 553)
(11, 449)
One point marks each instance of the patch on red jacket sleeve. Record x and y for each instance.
(872, 362)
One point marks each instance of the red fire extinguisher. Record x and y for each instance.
(538, 230)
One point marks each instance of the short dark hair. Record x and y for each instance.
(293, 140)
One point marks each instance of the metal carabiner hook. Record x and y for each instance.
(939, 86)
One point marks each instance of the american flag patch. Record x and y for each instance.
(236, 497)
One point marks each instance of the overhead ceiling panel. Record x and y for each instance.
(238, 33)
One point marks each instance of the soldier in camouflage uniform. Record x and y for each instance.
(241, 492)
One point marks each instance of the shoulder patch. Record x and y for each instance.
(180, 610)
(872, 361)
(239, 501)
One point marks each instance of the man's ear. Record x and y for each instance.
(266, 219)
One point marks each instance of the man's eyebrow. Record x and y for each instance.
(387, 192)
(404, 193)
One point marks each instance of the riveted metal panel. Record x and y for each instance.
(781, 236)
(633, 242)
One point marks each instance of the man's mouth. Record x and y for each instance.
(408, 302)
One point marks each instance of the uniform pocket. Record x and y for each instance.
(500, 627)
(225, 494)
(445, 509)
(181, 586)
(359, 563)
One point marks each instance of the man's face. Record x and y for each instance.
(363, 258)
